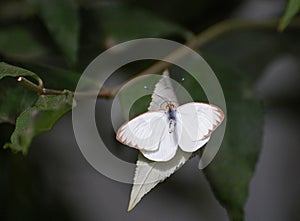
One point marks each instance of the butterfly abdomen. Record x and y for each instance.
(171, 114)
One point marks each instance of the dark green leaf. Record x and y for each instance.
(121, 23)
(230, 172)
(7, 70)
(291, 10)
(39, 118)
(19, 43)
(14, 99)
(62, 21)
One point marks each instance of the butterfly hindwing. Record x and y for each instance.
(166, 147)
(186, 142)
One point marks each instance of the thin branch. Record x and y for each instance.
(30, 85)
(37, 88)
(205, 37)
(198, 41)
(105, 92)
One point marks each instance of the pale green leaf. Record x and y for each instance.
(148, 173)
(291, 10)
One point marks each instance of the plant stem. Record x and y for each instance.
(104, 93)
(198, 41)
(37, 88)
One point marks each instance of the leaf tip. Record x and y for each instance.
(281, 27)
(130, 207)
(132, 203)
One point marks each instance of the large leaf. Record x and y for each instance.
(62, 21)
(19, 43)
(39, 118)
(230, 172)
(291, 10)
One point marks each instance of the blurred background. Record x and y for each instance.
(55, 182)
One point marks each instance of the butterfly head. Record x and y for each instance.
(170, 106)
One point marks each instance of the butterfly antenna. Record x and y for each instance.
(163, 98)
(162, 104)
(177, 88)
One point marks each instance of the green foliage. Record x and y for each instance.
(231, 171)
(27, 41)
(62, 21)
(35, 119)
(291, 10)
(7, 70)
(39, 118)
(13, 98)
(121, 23)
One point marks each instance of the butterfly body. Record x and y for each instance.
(171, 116)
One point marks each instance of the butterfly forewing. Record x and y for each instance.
(144, 131)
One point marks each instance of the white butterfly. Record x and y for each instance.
(157, 134)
